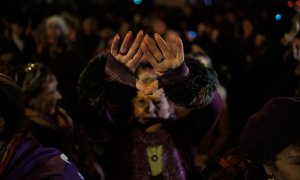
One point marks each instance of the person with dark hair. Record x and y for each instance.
(149, 141)
(56, 51)
(272, 137)
(22, 157)
(47, 121)
(269, 146)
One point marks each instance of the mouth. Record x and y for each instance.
(149, 115)
(146, 122)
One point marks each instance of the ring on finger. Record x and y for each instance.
(122, 53)
(161, 59)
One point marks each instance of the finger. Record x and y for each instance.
(163, 46)
(134, 63)
(140, 85)
(148, 55)
(144, 59)
(150, 89)
(136, 44)
(153, 48)
(114, 45)
(180, 51)
(125, 45)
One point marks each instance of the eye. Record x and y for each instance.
(141, 101)
(156, 102)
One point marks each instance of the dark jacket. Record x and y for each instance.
(27, 159)
(197, 92)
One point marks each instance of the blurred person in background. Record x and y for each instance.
(22, 157)
(47, 121)
(269, 146)
(62, 57)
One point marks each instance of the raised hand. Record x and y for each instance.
(160, 55)
(122, 63)
(162, 58)
(129, 54)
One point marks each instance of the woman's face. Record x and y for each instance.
(151, 106)
(287, 164)
(54, 31)
(45, 102)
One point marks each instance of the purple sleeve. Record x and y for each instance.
(176, 75)
(119, 72)
(198, 123)
(33, 161)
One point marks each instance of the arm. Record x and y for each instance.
(186, 81)
(108, 80)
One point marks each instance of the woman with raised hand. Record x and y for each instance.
(149, 141)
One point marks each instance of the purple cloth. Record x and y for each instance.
(33, 161)
(176, 75)
(274, 127)
(119, 72)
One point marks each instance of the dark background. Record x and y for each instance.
(36, 10)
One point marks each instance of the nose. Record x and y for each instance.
(150, 106)
(58, 95)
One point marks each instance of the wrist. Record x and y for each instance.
(119, 72)
(173, 76)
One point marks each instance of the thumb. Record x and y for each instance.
(140, 85)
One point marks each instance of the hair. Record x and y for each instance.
(11, 106)
(33, 78)
(272, 162)
(60, 21)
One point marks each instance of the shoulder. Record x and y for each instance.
(33, 161)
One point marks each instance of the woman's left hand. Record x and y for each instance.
(161, 57)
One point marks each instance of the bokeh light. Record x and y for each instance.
(137, 2)
(290, 3)
(278, 17)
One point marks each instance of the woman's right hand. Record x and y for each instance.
(128, 54)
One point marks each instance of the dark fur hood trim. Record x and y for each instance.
(195, 92)
(100, 92)
(198, 89)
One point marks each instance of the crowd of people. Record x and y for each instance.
(142, 97)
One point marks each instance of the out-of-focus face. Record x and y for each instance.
(287, 164)
(89, 25)
(151, 106)
(45, 102)
(248, 28)
(170, 38)
(54, 31)
(159, 26)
